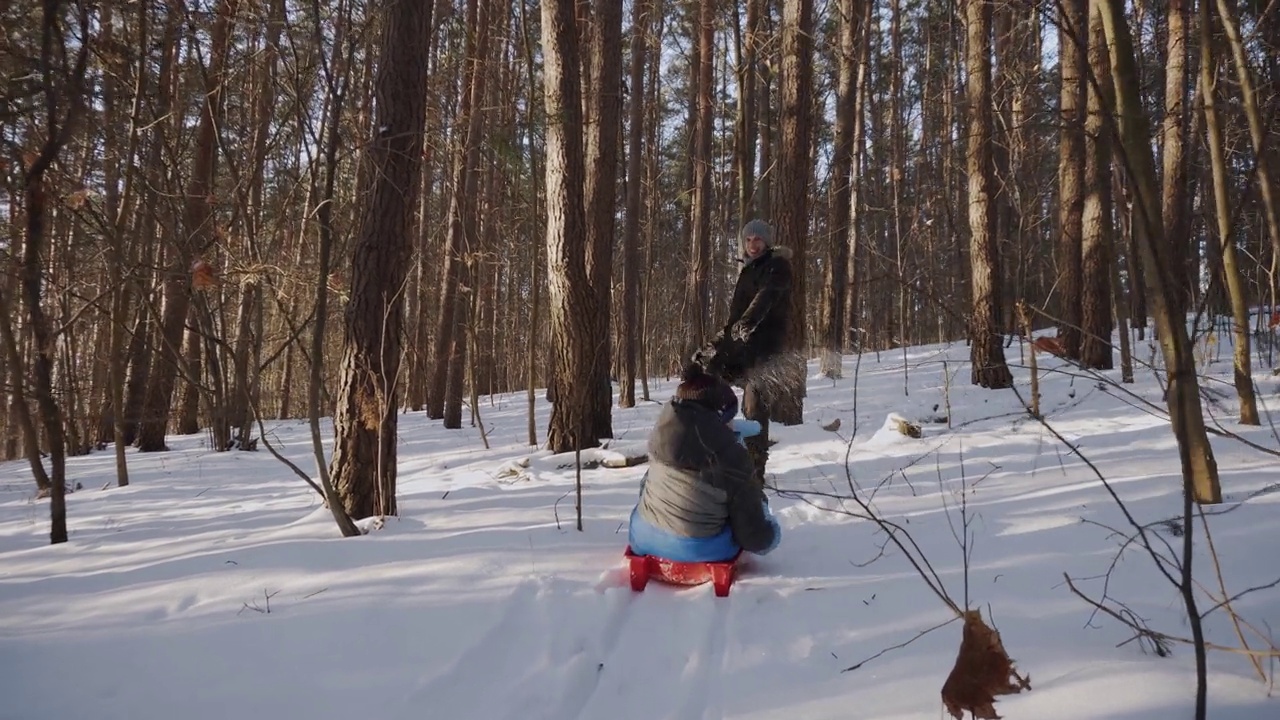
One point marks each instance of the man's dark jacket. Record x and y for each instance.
(758, 316)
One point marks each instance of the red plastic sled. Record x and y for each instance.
(643, 567)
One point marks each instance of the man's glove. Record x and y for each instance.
(716, 359)
(703, 354)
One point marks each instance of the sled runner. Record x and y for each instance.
(643, 567)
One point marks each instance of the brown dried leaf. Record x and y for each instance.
(77, 199)
(982, 671)
(203, 276)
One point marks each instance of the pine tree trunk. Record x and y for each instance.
(1096, 260)
(573, 304)
(32, 272)
(421, 365)
(62, 83)
(449, 348)
(836, 273)
(852, 338)
(986, 352)
(248, 345)
(1073, 39)
(785, 399)
(364, 455)
(628, 333)
(745, 125)
(698, 300)
(189, 405)
(765, 119)
(195, 236)
(601, 193)
(23, 422)
(114, 422)
(1175, 178)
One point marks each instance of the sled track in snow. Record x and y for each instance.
(557, 651)
(666, 658)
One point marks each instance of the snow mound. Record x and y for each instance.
(890, 433)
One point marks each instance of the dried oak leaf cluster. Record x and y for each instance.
(203, 276)
(982, 671)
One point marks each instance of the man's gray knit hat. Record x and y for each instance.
(755, 228)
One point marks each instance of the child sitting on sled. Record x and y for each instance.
(698, 502)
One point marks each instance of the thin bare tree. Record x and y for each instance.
(1200, 470)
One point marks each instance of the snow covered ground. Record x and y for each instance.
(216, 586)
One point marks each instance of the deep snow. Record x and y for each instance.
(480, 601)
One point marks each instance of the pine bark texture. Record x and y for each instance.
(986, 351)
(444, 396)
(836, 272)
(1096, 231)
(628, 332)
(1073, 39)
(700, 267)
(786, 402)
(601, 166)
(570, 297)
(1174, 195)
(364, 457)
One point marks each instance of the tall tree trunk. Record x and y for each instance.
(628, 332)
(765, 117)
(1200, 470)
(116, 258)
(13, 374)
(986, 352)
(62, 80)
(1073, 39)
(854, 233)
(1096, 233)
(444, 396)
(248, 345)
(24, 423)
(32, 274)
(601, 166)
(1175, 178)
(145, 351)
(795, 84)
(196, 236)
(897, 168)
(364, 455)
(572, 302)
(836, 272)
(189, 405)
(745, 124)
(421, 361)
(699, 301)
(336, 82)
(1231, 274)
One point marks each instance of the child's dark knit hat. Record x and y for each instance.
(707, 390)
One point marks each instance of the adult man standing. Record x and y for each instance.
(747, 349)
